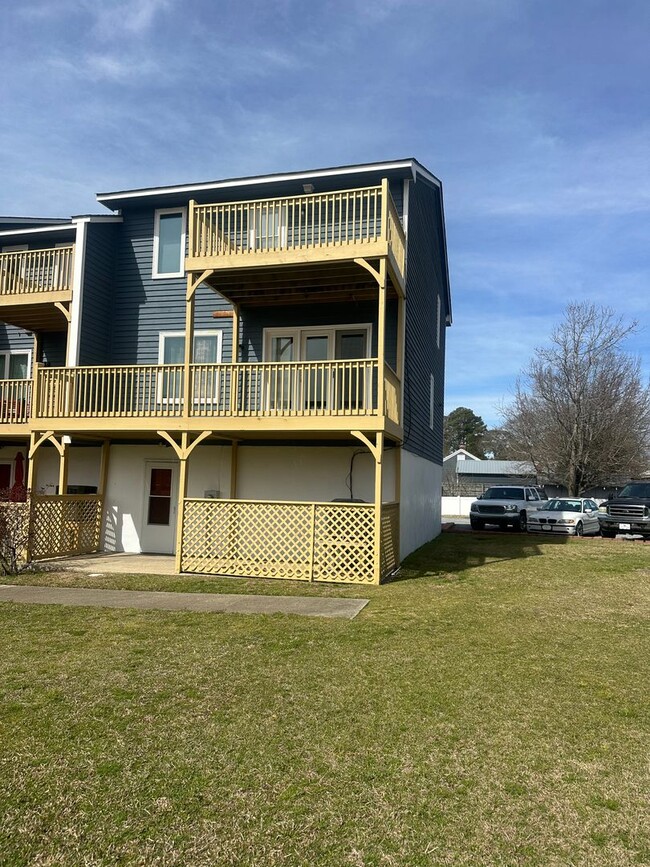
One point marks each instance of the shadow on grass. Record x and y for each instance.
(455, 552)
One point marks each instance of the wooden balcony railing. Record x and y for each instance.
(271, 389)
(307, 225)
(36, 271)
(15, 400)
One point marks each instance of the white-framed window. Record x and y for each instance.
(432, 402)
(317, 343)
(318, 387)
(439, 321)
(15, 364)
(169, 239)
(206, 350)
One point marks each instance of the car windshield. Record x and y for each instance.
(640, 489)
(504, 494)
(564, 506)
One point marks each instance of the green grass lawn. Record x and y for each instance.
(489, 708)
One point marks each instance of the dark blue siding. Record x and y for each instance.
(54, 348)
(142, 306)
(425, 282)
(15, 339)
(97, 307)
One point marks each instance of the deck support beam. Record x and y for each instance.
(379, 478)
(377, 451)
(234, 461)
(183, 450)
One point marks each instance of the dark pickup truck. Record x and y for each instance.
(627, 512)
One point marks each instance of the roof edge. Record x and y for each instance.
(228, 183)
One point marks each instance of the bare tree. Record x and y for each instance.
(581, 412)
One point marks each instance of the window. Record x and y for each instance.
(206, 350)
(169, 242)
(207, 347)
(439, 322)
(14, 365)
(432, 404)
(331, 387)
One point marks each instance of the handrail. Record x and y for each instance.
(310, 221)
(33, 271)
(15, 400)
(268, 389)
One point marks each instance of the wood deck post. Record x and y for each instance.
(182, 493)
(401, 353)
(381, 339)
(189, 340)
(63, 467)
(378, 496)
(234, 459)
(31, 463)
(235, 333)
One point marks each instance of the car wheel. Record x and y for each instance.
(476, 524)
(522, 523)
(579, 529)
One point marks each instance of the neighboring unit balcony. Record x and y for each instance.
(32, 282)
(271, 396)
(308, 229)
(15, 404)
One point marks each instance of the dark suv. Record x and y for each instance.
(627, 512)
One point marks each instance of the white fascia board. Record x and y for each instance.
(40, 230)
(414, 167)
(98, 218)
(76, 305)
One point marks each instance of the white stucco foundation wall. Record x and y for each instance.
(264, 473)
(83, 468)
(420, 516)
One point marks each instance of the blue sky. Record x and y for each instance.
(534, 113)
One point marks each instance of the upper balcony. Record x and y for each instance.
(238, 399)
(314, 229)
(32, 282)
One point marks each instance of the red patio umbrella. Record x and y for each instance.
(19, 474)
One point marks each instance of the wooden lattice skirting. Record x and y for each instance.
(299, 541)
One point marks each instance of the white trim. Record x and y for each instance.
(406, 194)
(298, 332)
(76, 305)
(161, 275)
(4, 363)
(415, 168)
(41, 230)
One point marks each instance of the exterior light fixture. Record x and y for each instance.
(308, 188)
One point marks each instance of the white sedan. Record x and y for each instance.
(568, 516)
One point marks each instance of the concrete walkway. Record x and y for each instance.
(203, 602)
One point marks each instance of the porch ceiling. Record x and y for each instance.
(34, 317)
(304, 284)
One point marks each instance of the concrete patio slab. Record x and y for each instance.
(118, 564)
(200, 602)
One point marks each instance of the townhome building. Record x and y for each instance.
(247, 374)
